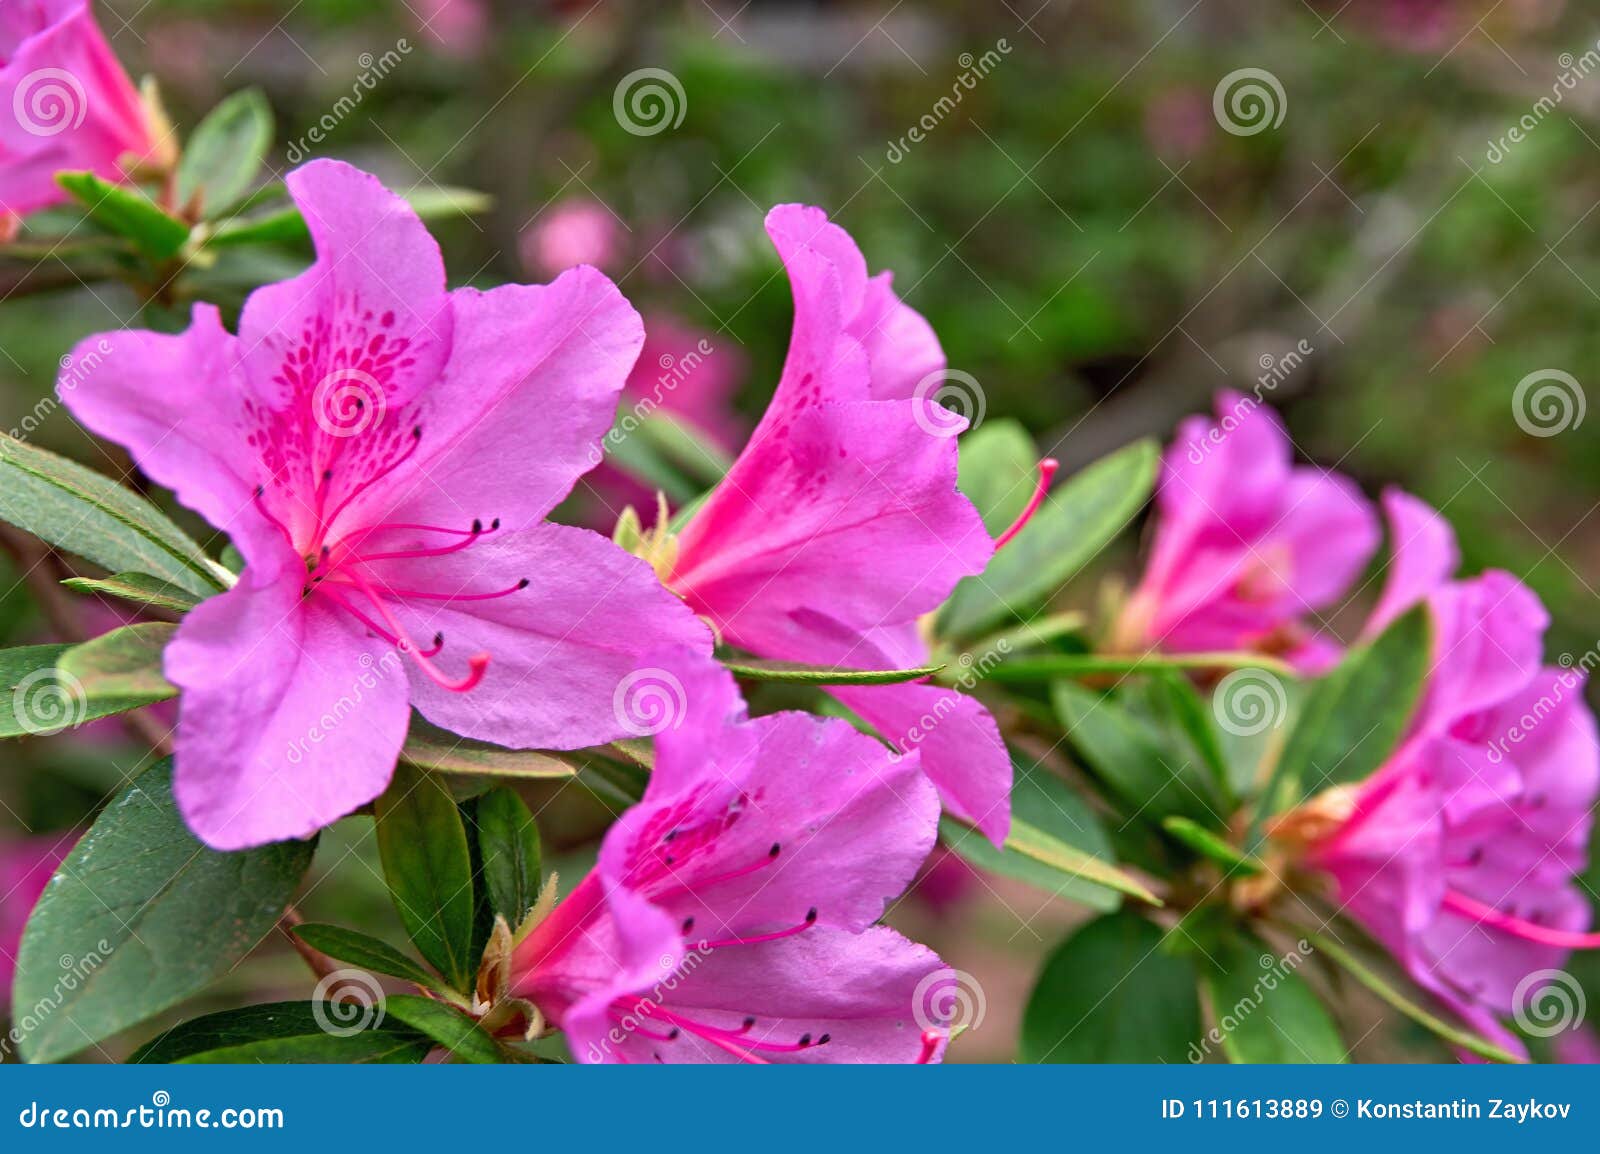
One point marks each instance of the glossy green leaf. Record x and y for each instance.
(362, 950)
(445, 1025)
(508, 848)
(37, 700)
(1263, 1011)
(1028, 670)
(286, 226)
(83, 512)
(122, 665)
(1207, 844)
(1112, 993)
(225, 152)
(277, 1033)
(147, 915)
(140, 588)
(798, 674)
(1079, 519)
(428, 866)
(127, 212)
(429, 747)
(999, 471)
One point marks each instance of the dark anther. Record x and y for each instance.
(416, 432)
(495, 524)
(438, 640)
(673, 1036)
(477, 525)
(749, 1023)
(805, 1039)
(524, 583)
(688, 925)
(773, 852)
(825, 1039)
(811, 915)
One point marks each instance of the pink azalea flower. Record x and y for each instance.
(383, 453)
(65, 104)
(1459, 853)
(731, 916)
(840, 524)
(26, 865)
(1247, 545)
(457, 27)
(569, 234)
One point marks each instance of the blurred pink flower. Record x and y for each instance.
(732, 914)
(569, 234)
(1247, 545)
(1178, 122)
(1459, 853)
(25, 867)
(65, 104)
(458, 27)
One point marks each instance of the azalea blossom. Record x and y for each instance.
(1247, 545)
(65, 105)
(457, 27)
(383, 454)
(840, 525)
(731, 915)
(1460, 853)
(571, 233)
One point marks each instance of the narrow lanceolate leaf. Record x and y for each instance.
(1263, 1011)
(148, 917)
(125, 211)
(797, 674)
(287, 226)
(288, 1032)
(1355, 716)
(362, 950)
(88, 514)
(428, 866)
(1207, 844)
(508, 848)
(697, 458)
(1024, 670)
(122, 665)
(225, 152)
(431, 748)
(445, 1025)
(999, 469)
(1112, 993)
(1073, 526)
(140, 588)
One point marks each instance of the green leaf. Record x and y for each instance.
(1056, 843)
(1143, 775)
(362, 950)
(140, 588)
(1264, 1012)
(149, 917)
(37, 699)
(1187, 721)
(1028, 670)
(83, 512)
(1070, 529)
(445, 1025)
(121, 666)
(508, 846)
(286, 226)
(428, 865)
(126, 211)
(429, 747)
(284, 1033)
(225, 153)
(999, 470)
(1355, 716)
(1111, 993)
(700, 460)
(798, 674)
(1209, 845)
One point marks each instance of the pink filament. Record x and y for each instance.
(1519, 927)
(775, 935)
(476, 664)
(1047, 470)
